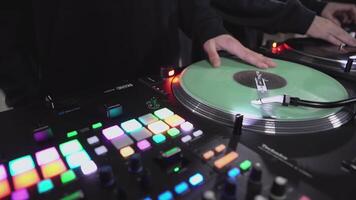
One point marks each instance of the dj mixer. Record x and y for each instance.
(141, 140)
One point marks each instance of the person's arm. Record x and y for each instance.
(315, 5)
(200, 22)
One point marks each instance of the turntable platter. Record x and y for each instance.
(220, 93)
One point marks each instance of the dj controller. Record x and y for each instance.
(162, 138)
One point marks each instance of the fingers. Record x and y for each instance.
(211, 50)
(343, 37)
(335, 20)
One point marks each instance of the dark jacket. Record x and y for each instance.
(267, 15)
(66, 45)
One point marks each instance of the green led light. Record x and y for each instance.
(176, 169)
(97, 125)
(173, 132)
(72, 134)
(68, 176)
(74, 196)
(159, 138)
(45, 186)
(245, 165)
(171, 152)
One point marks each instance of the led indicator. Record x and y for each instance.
(131, 125)
(274, 45)
(173, 132)
(171, 72)
(196, 179)
(245, 165)
(77, 159)
(158, 127)
(45, 186)
(112, 132)
(53, 169)
(233, 173)
(163, 113)
(143, 145)
(46, 156)
(68, 176)
(26, 179)
(127, 151)
(176, 169)
(74, 196)
(70, 147)
(167, 195)
(72, 134)
(97, 125)
(21, 165)
(159, 138)
(88, 167)
(181, 188)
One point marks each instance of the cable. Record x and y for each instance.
(315, 104)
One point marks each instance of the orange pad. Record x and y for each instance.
(26, 179)
(208, 155)
(225, 160)
(4, 188)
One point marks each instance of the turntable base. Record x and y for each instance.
(221, 93)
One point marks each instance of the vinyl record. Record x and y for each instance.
(221, 93)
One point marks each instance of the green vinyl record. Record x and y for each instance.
(229, 89)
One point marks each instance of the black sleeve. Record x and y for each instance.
(314, 5)
(267, 15)
(199, 21)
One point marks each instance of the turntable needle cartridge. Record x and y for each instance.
(267, 100)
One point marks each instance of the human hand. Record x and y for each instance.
(234, 47)
(325, 29)
(340, 13)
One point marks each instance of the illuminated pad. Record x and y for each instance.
(88, 167)
(26, 179)
(77, 159)
(3, 174)
(173, 132)
(163, 113)
(196, 179)
(127, 151)
(53, 169)
(141, 134)
(4, 189)
(68, 177)
(46, 156)
(174, 120)
(147, 119)
(112, 132)
(225, 160)
(122, 141)
(187, 127)
(70, 147)
(22, 194)
(45, 186)
(131, 125)
(21, 165)
(158, 127)
(159, 138)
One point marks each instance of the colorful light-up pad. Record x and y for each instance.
(131, 125)
(22, 194)
(3, 174)
(122, 141)
(174, 120)
(21, 165)
(68, 176)
(147, 119)
(70, 147)
(158, 127)
(26, 179)
(5, 189)
(141, 134)
(112, 132)
(46, 156)
(163, 113)
(53, 169)
(76, 159)
(196, 179)
(45, 186)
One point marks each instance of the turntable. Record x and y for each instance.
(221, 93)
(331, 59)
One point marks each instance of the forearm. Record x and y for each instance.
(314, 5)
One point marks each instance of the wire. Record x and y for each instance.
(314, 104)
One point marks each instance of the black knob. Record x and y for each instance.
(279, 188)
(254, 185)
(106, 176)
(121, 193)
(229, 192)
(135, 164)
(209, 195)
(145, 180)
